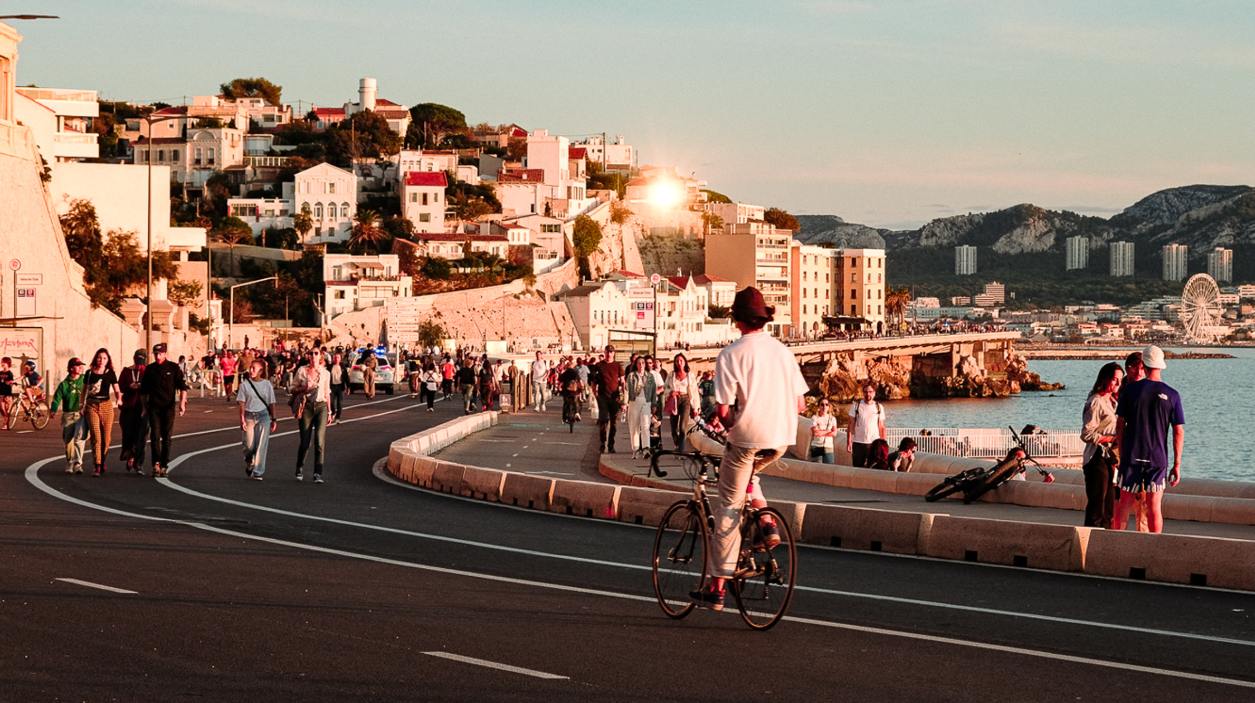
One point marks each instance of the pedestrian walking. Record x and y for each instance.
(134, 423)
(256, 400)
(312, 387)
(540, 378)
(163, 392)
(229, 366)
(369, 363)
(610, 396)
(1099, 461)
(867, 424)
(102, 398)
(487, 386)
(640, 388)
(1147, 413)
(69, 399)
(682, 399)
(337, 380)
(447, 371)
(430, 381)
(466, 385)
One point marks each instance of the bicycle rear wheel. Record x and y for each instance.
(679, 558)
(764, 580)
(40, 414)
(952, 484)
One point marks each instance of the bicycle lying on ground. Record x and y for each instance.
(978, 481)
(23, 408)
(765, 576)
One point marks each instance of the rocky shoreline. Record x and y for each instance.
(841, 380)
(1109, 354)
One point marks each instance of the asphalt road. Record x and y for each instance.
(361, 589)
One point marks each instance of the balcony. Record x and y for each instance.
(76, 145)
(267, 161)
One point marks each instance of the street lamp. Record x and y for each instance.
(231, 324)
(148, 326)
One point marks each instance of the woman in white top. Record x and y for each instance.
(430, 381)
(313, 382)
(256, 399)
(823, 429)
(682, 399)
(640, 393)
(1098, 432)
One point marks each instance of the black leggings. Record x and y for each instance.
(430, 396)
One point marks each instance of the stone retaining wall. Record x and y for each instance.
(1210, 561)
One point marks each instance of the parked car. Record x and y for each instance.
(385, 376)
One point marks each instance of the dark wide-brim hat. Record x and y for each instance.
(749, 306)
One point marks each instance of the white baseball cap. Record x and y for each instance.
(1152, 358)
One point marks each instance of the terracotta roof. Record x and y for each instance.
(512, 226)
(384, 102)
(680, 282)
(426, 178)
(702, 279)
(521, 175)
(395, 112)
(579, 292)
(329, 111)
(578, 152)
(160, 140)
(173, 110)
(629, 274)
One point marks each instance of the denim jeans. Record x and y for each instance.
(74, 434)
(256, 441)
(337, 402)
(822, 455)
(313, 426)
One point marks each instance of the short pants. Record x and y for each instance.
(1141, 476)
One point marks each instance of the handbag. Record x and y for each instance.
(672, 406)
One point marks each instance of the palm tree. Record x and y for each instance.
(303, 222)
(367, 232)
(896, 302)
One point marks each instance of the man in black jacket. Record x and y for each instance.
(162, 386)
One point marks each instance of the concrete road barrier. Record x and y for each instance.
(794, 512)
(527, 491)
(866, 528)
(1202, 561)
(447, 477)
(481, 483)
(1028, 544)
(587, 499)
(424, 467)
(645, 506)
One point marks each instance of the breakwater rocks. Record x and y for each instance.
(1109, 354)
(842, 379)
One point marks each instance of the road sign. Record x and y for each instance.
(26, 302)
(30, 279)
(15, 264)
(654, 279)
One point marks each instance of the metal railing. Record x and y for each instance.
(986, 443)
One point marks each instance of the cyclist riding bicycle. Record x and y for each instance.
(572, 386)
(32, 383)
(759, 393)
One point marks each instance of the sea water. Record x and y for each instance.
(1218, 396)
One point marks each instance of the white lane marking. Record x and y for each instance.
(507, 464)
(514, 455)
(32, 475)
(495, 665)
(102, 587)
(574, 444)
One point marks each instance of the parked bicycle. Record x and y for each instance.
(765, 576)
(978, 481)
(22, 407)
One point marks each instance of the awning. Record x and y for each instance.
(368, 265)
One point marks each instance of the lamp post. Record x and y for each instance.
(231, 318)
(148, 305)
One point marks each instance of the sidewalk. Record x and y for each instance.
(539, 443)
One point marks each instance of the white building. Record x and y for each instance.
(60, 121)
(329, 195)
(454, 245)
(358, 282)
(1078, 253)
(596, 308)
(617, 156)
(408, 160)
(1122, 258)
(1175, 260)
(423, 201)
(964, 260)
(1220, 264)
(736, 213)
(396, 115)
(815, 293)
(262, 213)
(550, 182)
(196, 157)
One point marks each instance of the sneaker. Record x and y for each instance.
(768, 537)
(255, 477)
(98, 472)
(708, 599)
(317, 478)
(139, 471)
(578, 418)
(299, 476)
(78, 469)
(69, 470)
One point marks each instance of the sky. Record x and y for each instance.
(884, 112)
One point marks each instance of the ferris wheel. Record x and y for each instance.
(1200, 308)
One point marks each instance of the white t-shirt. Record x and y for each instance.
(761, 377)
(823, 422)
(255, 402)
(867, 421)
(540, 369)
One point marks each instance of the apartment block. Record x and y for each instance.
(1122, 258)
(1175, 259)
(1077, 253)
(1220, 264)
(964, 260)
(861, 294)
(814, 295)
(756, 254)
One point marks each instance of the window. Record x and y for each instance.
(331, 212)
(803, 292)
(413, 197)
(174, 155)
(803, 275)
(161, 155)
(878, 312)
(344, 210)
(826, 278)
(198, 156)
(853, 294)
(318, 211)
(853, 309)
(424, 217)
(211, 156)
(854, 278)
(803, 309)
(339, 295)
(551, 229)
(424, 198)
(435, 197)
(331, 187)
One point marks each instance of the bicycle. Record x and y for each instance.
(764, 578)
(25, 408)
(976, 482)
(569, 409)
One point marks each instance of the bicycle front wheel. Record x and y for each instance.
(10, 420)
(40, 415)
(679, 558)
(765, 576)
